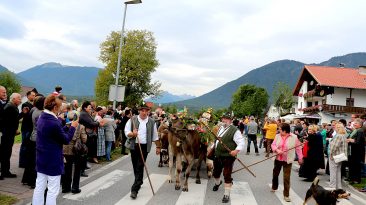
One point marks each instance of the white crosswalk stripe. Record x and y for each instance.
(295, 199)
(96, 186)
(145, 193)
(195, 191)
(241, 193)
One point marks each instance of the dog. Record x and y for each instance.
(323, 196)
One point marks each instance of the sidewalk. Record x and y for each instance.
(14, 187)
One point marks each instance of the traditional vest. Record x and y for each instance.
(149, 133)
(291, 142)
(228, 140)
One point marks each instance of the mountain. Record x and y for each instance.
(167, 97)
(2, 68)
(267, 76)
(74, 80)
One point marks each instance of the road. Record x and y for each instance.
(111, 185)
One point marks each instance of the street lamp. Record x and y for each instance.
(120, 48)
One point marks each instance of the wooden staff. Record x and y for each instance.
(267, 158)
(228, 149)
(142, 158)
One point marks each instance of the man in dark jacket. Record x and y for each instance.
(3, 99)
(10, 129)
(27, 127)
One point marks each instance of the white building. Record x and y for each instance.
(328, 93)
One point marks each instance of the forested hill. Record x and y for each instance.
(267, 76)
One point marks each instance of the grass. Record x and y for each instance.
(115, 154)
(7, 200)
(18, 138)
(360, 185)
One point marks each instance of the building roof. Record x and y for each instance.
(333, 76)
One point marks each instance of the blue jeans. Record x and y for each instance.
(108, 150)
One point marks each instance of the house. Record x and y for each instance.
(326, 93)
(275, 113)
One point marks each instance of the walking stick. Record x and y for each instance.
(228, 149)
(143, 160)
(267, 158)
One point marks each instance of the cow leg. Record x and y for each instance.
(178, 164)
(171, 165)
(161, 160)
(188, 171)
(198, 168)
(209, 165)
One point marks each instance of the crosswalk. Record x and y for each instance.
(241, 193)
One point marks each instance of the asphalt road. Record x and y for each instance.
(111, 185)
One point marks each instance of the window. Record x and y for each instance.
(350, 102)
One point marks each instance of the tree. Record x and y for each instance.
(282, 97)
(249, 100)
(10, 82)
(138, 61)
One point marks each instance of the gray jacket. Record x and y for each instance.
(109, 128)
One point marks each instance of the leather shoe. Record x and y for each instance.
(83, 174)
(10, 175)
(226, 199)
(1, 178)
(75, 191)
(216, 187)
(66, 190)
(133, 195)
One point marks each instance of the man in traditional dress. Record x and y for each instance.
(224, 160)
(140, 129)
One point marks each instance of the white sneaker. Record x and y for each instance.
(287, 199)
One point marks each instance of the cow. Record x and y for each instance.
(184, 144)
(163, 137)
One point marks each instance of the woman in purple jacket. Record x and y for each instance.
(49, 159)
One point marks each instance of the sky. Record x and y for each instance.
(202, 44)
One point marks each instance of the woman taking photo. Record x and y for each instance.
(337, 145)
(49, 160)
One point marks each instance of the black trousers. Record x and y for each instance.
(67, 177)
(225, 163)
(355, 167)
(254, 139)
(30, 174)
(6, 149)
(138, 166)
(92, 146)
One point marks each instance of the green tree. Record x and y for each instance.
(10, 82)
(249, 100)
(282, 97)
(137, 63)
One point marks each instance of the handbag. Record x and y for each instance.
(79, 147)
(340, 158)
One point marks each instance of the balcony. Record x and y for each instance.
(335, 109)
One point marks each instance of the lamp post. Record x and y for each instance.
(120, 49)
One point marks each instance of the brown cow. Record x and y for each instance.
(184, 144)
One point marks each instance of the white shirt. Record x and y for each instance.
(238, 138)
(142, 131)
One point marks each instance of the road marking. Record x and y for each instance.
(295, 199)
(242, 194)
(96, 186)
(103, 168)
(358, 198)
(195, 195)
(145, 193)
